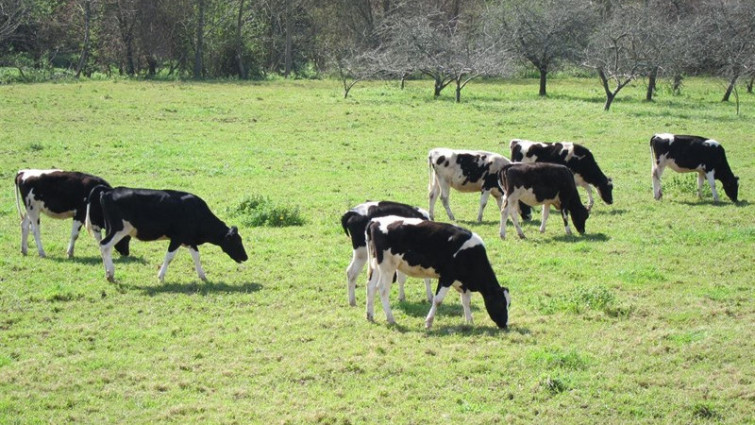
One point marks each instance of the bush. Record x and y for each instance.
(256, 211)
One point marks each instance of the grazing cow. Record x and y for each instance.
(578, 158)
(57, 194)
(686, 154)
(541, 183)
(422, 248)
(149, 215)
(354, 223)
(465, 171)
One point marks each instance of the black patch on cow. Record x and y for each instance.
(354, 223)
(471, 168)
(440, 159)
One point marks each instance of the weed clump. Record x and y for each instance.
(256, 211)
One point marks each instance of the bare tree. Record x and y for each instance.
(548, 32)
(617, 51)
(11, 16)
(728, 27)
(454, 50)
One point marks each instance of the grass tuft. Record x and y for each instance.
(257, 210)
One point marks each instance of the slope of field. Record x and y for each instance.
(647, 318)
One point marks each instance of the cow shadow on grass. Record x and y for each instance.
(198, 288)
(615, 211)
(98, 260)
(589, 237)
(710, 203)
(476, 330)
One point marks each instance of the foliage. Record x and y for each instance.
(259, 210)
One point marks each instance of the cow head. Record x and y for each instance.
(606, 192)
(497, 305)
(579, 215)
(231, 245)
(732, 189)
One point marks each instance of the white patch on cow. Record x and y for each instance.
(527, 195)
(475, 240)
(711, 142)
(384, 222)
(671, 163)
(31, 173)
(363, 209)
(413, 271)
(666, 136)
(507, 295)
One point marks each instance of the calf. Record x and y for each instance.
(149, 215)
(354, 223)
(541, 183)
(57, 194)
(428, 249)
(465, 171)
(685, 154)
(578, 158)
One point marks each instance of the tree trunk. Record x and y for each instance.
(130, 66)
(438, 86)
(729, 89)
(543, 81)
(287, 54)
(750, 83)
(85, 47)
(404, 75)
(677, 86)
(152, 65)
(240, 43)
(458, 91)
(652, 78)
(200, 40)
(609, 101)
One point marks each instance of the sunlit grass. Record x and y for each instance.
(647, 318)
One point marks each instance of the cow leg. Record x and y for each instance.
(466, 301)
(546, 213)
(35, 222)
(590, 200)
(712, 183)
(504, 216)
(565, 216)
(358, 259)
(197, 265)
(75, 229)
(657, 170)
(433, 190)
(172, 248)
(429, 290)
(25, 226)
(483, 201)
(385, 290)
(437, 300)
(401, 279)
(106, 249)
(445, 191)
(373, 274)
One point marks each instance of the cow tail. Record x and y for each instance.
(94, 196)
(370, 251)
(18, 198)
(345, 222)
(432, 174)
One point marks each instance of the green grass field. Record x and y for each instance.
(647, 318)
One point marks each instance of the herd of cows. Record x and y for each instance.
(394, 240)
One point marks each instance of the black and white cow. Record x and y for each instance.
(422, 248)
(686, 154)
(465, 171)
(541, 183)
(578, 158)
(57, 194)
(149, 215)
(354, 223)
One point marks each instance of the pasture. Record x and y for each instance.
(646, 319)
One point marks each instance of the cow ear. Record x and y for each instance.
(233, 231)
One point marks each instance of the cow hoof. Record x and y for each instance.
(42, 255)
(353, 303)
(428, 325)
(110, 278)
(522, 236)
(23, 252)
(370, 318)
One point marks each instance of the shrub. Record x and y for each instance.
(255, 211)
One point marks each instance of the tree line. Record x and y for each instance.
(450, 41)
